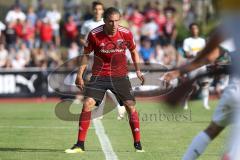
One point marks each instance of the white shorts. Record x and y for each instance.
(228, 104)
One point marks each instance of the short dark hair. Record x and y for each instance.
(110, 11)
(95, 3)
(193, 24)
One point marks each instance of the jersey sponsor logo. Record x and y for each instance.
(112, 47)
(112, 50)
(117, 47)
(120, 44)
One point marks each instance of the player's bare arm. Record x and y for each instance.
(136, 61)
(83, 64)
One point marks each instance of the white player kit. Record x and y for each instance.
(223, 114)
(228, 109)
(192, 46)
(90, 25)
(229, 106)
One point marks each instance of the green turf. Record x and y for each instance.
(33, 132)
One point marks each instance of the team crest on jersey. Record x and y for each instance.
(123, 44)
(119, 42)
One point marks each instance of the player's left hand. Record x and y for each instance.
(140, 77)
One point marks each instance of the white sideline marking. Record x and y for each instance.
(104, 140)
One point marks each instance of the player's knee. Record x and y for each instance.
(213, 130)
(129, 103)
(130, 106)
(88, 104)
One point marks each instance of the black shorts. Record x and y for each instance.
(120, 86)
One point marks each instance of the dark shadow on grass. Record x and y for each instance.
(38, 150)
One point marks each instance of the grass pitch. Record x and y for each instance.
(33, 132)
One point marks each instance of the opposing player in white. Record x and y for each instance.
(228, 109)
(231, 27)
(98, 9)
(191, 47)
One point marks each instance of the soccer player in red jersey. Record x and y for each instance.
(109, 72)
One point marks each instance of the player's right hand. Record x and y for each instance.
(79, 83)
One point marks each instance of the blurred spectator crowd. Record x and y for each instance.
(45, 38)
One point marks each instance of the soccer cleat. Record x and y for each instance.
(99, 118)
(119, 117)
(138, 147)
(207, 107)
(185, 107)
(77, 148)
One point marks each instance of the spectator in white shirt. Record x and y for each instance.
(192, 45)
(55, 16)
(18, 62)
(15, 14)
(3, 56)
(24, 53)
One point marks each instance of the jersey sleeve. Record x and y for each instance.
(89, 47)
(132, 44)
